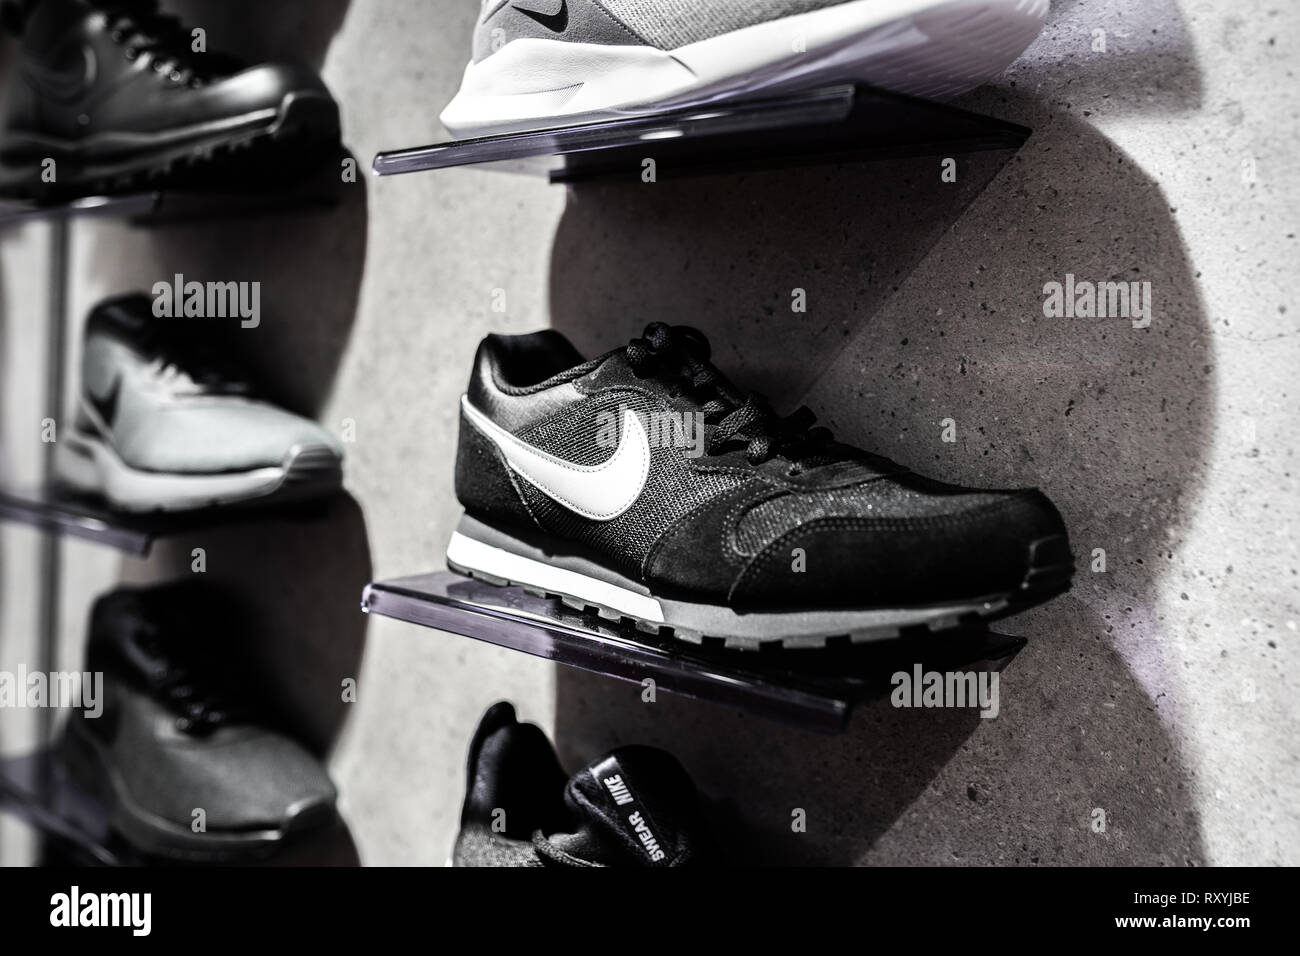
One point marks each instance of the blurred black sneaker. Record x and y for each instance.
(116, 96)
(634, 807)
(643, 485)
(166, 423)
(188, 768)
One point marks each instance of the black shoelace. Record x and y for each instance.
(203, 355)
(682, 352)
(200, 709)
(140, 28)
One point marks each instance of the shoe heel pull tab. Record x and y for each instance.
(488, 366)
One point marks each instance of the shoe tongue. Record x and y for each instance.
(132, 6)
(142, 9)
(146, 626)
(634, 807)
(143, 652)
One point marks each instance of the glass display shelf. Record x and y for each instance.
(812, 688)
(60, 512)
(36, 789)
(322, 189)
(831, 124)
(74, 823)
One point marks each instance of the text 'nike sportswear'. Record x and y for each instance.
(539, 63)
(643, 485)
(633, 807)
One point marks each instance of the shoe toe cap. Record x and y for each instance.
(263, 782)
(987, 545)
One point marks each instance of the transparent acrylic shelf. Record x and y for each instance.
(816, 689)
(39, 790)
(78, 517)
(832, 124)
(150, 207)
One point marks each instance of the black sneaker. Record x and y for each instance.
(634, 807)
(174, 739)
(115, 95)
(643, 485)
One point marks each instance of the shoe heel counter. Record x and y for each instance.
(19, 109)
(482, 386)
(109, 339)
(484, 485)
(97, 364)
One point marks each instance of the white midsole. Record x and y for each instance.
(537, 79)
(465, 552)
(88, 464)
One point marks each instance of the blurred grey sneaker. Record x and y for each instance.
(540, 63)
(162, 424)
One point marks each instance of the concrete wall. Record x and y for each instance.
(1162, 691)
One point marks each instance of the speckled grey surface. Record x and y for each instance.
(1161, 692)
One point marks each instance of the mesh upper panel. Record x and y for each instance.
(671, 490)
(479, 846)
(907, 497)
(669, 24)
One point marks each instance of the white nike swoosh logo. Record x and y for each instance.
(599, 492)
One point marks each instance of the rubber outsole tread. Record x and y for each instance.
(1041, 584)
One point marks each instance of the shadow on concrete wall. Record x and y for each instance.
(299, 30)
(726, 254)
(1148, 65)
(1111, 421)
(301, 578)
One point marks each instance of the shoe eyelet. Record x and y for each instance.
(131, 53)
(175, 76)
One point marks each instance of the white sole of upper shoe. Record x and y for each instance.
(929, 48)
